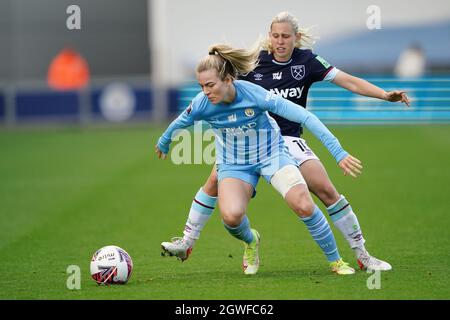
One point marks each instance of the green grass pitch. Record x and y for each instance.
(66, 192)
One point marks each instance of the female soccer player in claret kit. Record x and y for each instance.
(289, 71)
(249, 145)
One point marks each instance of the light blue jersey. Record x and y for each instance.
(245, 134)
(249, 145)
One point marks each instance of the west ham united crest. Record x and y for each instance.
(298, 72)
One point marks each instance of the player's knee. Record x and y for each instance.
(231, 220)
(232, 215)
(304, 207)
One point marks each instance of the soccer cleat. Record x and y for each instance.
(177, 247)
(367, 262)
(250, 261)
(342, 268)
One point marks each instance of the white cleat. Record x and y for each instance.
(373, 264)
(177, 247)
(250, 262)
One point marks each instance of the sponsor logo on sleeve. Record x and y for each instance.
(323, 62)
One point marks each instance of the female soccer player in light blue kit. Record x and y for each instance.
(249, 145)
(289, 71)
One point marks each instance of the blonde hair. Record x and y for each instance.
(229, 61)
(307, 40)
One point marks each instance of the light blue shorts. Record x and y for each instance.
(251, 173)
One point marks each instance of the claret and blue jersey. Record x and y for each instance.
(291, 79)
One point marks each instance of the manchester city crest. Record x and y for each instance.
(249, 112)
(298, 72)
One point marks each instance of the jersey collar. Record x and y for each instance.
(282, 63)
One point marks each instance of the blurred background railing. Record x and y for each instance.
(111, 101)
(334, 105)
(133, 102)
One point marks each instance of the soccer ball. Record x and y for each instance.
(111, 265)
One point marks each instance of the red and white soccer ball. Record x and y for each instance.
(111, 265)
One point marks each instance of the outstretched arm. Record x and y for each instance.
(365, 88)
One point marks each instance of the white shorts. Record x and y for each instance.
(299, 149)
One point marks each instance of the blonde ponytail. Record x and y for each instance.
(229, 61)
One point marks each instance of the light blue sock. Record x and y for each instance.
(241, 232)
(204, 203)
(321, 232)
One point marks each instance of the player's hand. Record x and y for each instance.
(159, 153)
(395, 96)
(351, 166)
